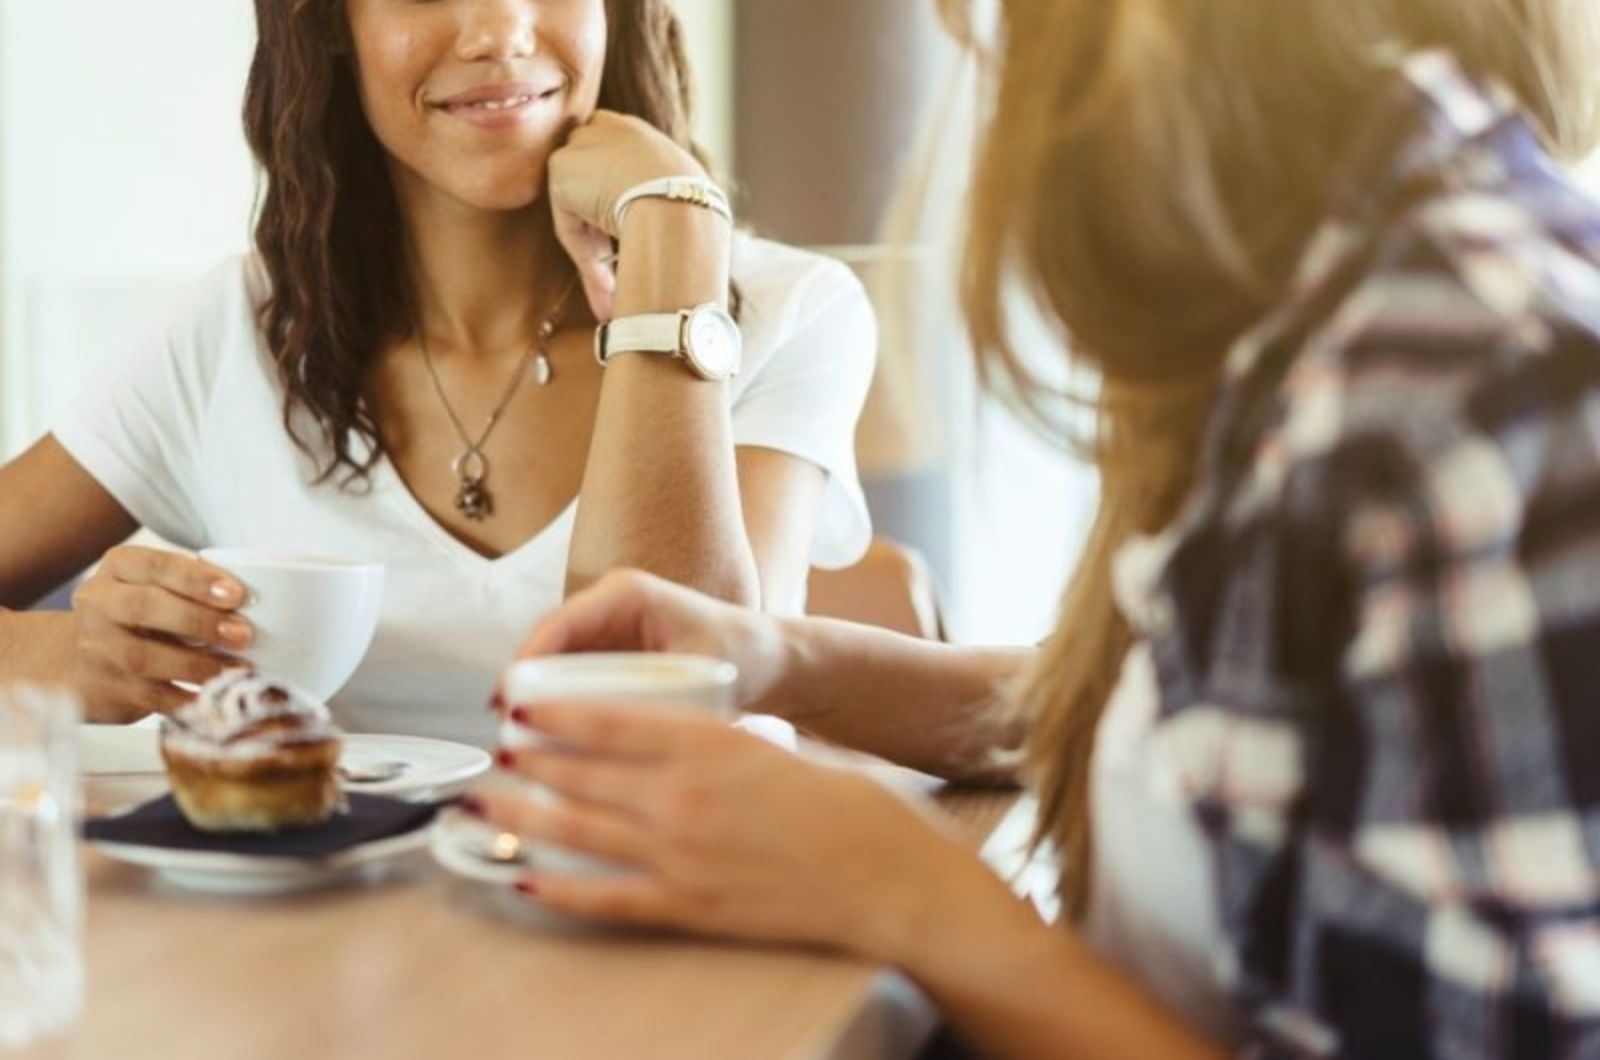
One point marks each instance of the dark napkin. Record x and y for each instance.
(161, 824)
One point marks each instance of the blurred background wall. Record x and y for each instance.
(832, 104)
(841, 110)
(123, 175)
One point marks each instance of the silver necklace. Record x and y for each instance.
(471, 466)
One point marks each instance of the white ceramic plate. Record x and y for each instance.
(219, 873)
(461, 845)
(452, 840)
(433, 768)
(430, 768)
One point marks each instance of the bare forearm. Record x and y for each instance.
(1039, 993)
(36, 647)
(1014, 986)
(934, 707)
(660, 492)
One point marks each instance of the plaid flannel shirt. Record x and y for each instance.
(1376, 624)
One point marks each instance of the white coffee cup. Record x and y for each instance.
(693, 683)
(313, 616)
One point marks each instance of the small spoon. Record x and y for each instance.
(372, 772)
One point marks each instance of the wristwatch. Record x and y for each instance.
(705, 338)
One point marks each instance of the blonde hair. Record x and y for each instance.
(1151, 171)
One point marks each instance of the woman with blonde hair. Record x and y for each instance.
(1315, 740)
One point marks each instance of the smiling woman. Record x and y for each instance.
(404, 369)
(432, 116)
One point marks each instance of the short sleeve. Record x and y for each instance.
(138, 427)
(806, 399)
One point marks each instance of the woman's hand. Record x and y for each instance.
(600, 162)
(146, 619)
(633, 611)
(732, 836)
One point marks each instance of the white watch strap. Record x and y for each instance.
(644, 333)
(697, 191)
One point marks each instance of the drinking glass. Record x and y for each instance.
(41, 882)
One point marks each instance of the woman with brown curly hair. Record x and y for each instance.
(455, 195)
(1316, 739)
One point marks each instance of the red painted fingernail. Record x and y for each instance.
(497, 702)
(520, 715)
(526, 887)
(504, 759)
(471, 805)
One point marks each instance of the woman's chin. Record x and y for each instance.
(501, 196)
(514, 185)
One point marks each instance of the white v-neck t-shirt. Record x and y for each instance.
(188, 436)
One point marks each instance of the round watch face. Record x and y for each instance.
(713, 343)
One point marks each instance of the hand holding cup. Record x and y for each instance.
(148, 618)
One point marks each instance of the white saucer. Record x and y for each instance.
(214, 872)
(433, 768)
(454, 837)
(451, 838)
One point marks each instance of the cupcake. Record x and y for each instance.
(252, 754)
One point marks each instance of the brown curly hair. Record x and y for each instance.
(328, 227)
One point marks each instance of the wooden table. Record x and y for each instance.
(423, 965)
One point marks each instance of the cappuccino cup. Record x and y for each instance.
(691, 683)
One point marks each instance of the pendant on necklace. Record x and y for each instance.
(473, 500)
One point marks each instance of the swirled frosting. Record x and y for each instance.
(240, 713)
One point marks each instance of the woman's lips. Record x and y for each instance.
(497, 108)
